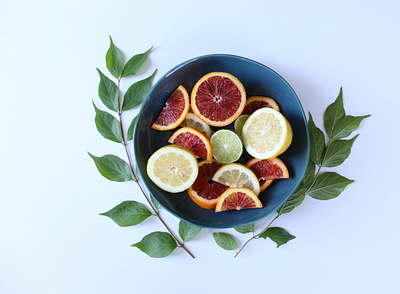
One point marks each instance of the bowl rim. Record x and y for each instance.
(220, 55)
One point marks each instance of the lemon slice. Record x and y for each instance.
(193, 121)
(266, 133)
(172, 168)
(226, 145)
(237, 175)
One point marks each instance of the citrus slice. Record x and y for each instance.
(172, 168)
(268, 170)
(239, 122)
(218, 98)
(174, 112)
(237, 175)
(227, 146)
(266, 133)
(193, 121)
(194, 141)
(236, 199)
(256, 102)
(204, 191)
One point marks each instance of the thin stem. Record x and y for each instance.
(258, 235)
(136, 179)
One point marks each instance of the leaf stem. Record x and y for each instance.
(136, 179)
(258, 235)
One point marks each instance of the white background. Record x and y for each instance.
(52, 239)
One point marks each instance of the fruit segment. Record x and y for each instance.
(237, 199)
(174, 112)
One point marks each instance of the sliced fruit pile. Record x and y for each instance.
(203, 155)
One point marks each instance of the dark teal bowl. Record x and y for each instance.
(257, 79)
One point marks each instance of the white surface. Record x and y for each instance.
(52, 238)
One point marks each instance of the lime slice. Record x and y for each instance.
(239, 122)
(227, 146)
(193, 121)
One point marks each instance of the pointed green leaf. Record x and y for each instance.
(328, 185)
(295, 200)
(309, 175)
(333, 114)
(113, 168)
(337, 152)
(135, 63)
(107, 125)
(154, 201)
(128, 213)
(188, 231)
(317, 141)
(157, 244)
(347, 125)
(108, 92)
(114, 60)
(279, 235)
(131, 128)
(246, 229)
(225, 241)
(137, 92)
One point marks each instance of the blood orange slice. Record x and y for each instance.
(237, 198)
(256, 102)
(174, 112)
(268, 170)
(194, 141)
(204, 191)
(218, 98)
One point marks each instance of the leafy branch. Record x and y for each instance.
(111, 127)
(322, 185)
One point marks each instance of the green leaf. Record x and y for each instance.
(155, 202)
(295, 200)
(333, 114)
(137, 92)
(246, 229)
(128, 213)
(309, 175)
(107, 125)
(225, 241)
(113, 168)
(157, 244)
(114, 60)
(279, 235)
(135, 63)
(108, 92)
(317, 141)
(337, 152)
(188, 231)
(131, 128)
(347, 125)
(328, 185)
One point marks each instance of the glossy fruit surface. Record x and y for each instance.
(218, 98)
(204, 191)
(174, 112)
(256, 102)
(194, 141)
(172, 168)
(266, 133)
(268, 170)
(237, 198)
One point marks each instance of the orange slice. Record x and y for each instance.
(174, 112)
(268, 170)
(218, 98)
(205, 192)
(256, 102)
(194, 141)
(236, 199)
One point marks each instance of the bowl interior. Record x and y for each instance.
(257, 80)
